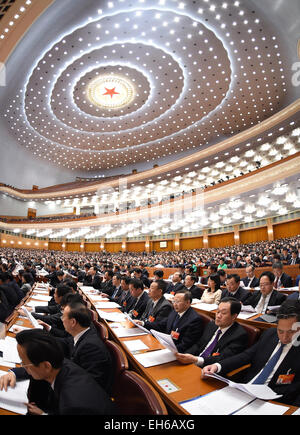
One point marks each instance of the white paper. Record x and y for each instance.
(6, 363)
(168, 296)
(33, 321)
(245, 315)
(107, 305)
(40, 291)
(35, 303)
(255, 390)
(165, 339)
(9, 350)
(41, 297)
(248, 309)
(220, 402)
(260, 407)
(128, 332)
(14, 398)
(155, 358)
(135, 345)
(205, 307)
(113, 317)
(136, 324)
(96, 298)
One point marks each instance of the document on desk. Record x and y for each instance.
(98, 298)
(107, 305)
(155, 358)
(41, 297)
(33, 321)
(14, 399)
(205, 307)
(260, 407)
(135, 345)
(129, 332)
(245, 315)
(9, 350)
(35, 303)
(136, 324)
(255, 390)
(248, 309)
(220, 402)
(40, 291)
(165, 339)
(111, 317)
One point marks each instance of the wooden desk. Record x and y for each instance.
(186, 377)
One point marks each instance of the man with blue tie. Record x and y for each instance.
(274, 359)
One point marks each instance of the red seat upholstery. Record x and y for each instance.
(133, 395)
(253, 334)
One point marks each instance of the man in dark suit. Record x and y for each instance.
(282, 279)
(176, 283)
(141, 298)
(251, 280)
(274, 358)
(84, 346)
(189, 283)
(183, 324)
(96, 278)
(294, 258)
(73, 391)
(137, 273)
(107, 288)
(235, 264)
(125, 300)
(266, 296)
(158, 308)
(117, 289)
(221, 338)
(233, 289)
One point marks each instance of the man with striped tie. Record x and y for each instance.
(274, 360)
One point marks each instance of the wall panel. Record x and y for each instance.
(221, 240)
(287, 229)
(254, 235)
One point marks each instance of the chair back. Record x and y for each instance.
(119, 359)
(134, 395)
(101, 330)
(206, 318)
(253, 334)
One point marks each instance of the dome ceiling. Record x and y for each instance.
(140, 81)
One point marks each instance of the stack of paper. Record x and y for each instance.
(14, 399)
(112, 317)
(41, 297)
(9, 350)
(155, 358)
(205, 307)
(128, 332)
(107, 305)
(135, 345)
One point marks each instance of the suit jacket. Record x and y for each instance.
(117, 292)
(276, 298)
(285, 280)
(293, 296)
(96, 282)
(107, 287)
(232, 342)
(53, 280)
(258, 355)
(159, 314)
(139, 306)
(11, 296)
(91, 354)
(75, 392)
(196, 291)
(175, 287)
(296, 262)
(241, 295)
(126, 301)
(254, 282)
(189, 328)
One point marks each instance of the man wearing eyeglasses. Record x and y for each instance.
(274, 360)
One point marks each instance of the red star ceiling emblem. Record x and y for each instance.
(111, 92)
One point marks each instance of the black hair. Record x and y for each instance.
(137, 283)
(41, 346)
(235, 304)
(80, 313)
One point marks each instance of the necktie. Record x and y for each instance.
(212, 345)
(176, 320)
(261, 379)
(260, 306)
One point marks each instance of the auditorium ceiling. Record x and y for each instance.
(110, 84)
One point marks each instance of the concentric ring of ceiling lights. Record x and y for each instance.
(187, 64)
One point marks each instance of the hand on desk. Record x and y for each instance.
(210, 369)
(186, 358)
(8, 380)
(20, 311)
